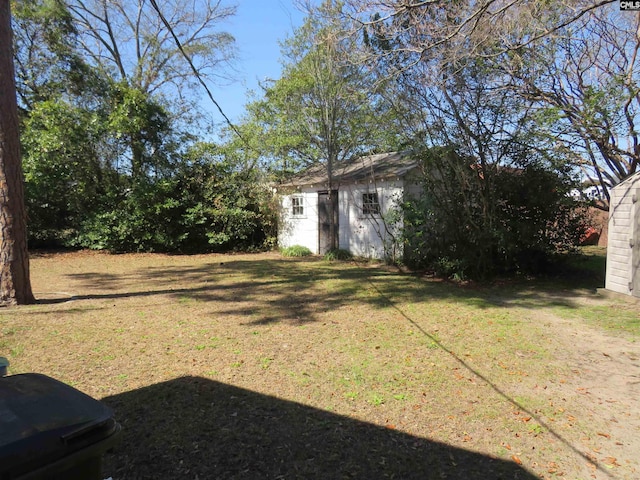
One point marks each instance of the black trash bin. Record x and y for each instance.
(49, 430)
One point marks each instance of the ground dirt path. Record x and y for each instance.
(603, 388)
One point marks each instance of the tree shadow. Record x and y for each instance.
(289, 285)
(274, 290)
(192, 427)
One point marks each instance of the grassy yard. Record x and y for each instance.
(258, 366)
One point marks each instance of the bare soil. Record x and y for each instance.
(605, 384)
(256, 366)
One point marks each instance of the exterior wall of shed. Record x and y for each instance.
(623, 234)
(371, 236)
(301, 230)
(364, 236)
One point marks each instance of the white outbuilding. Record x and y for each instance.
(623, 247)
(365, 198)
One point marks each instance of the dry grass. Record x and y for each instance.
(257, 366)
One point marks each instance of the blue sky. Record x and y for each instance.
(258, 27)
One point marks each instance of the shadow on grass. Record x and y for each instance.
(192, 427)
(296, 290)
(495, 387)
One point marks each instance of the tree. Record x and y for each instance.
(212, 202)
(62, 170)
(479, 150)
(321, 111)
(576, 61)
(131, 44)
(15, 284)
(120, 59)
(427, 25)
(478, 143)
(585, 84)
(49, 63)
(108, 109)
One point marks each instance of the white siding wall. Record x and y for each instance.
(365, 236)
(299, 230)
(622, 228)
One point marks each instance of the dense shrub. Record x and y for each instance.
(147, 218)
(477, 223)
(121, 178)
(337, 254)
(199, 210)
(63, 180)
(295, 251)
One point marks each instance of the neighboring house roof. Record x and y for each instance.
(380, 166)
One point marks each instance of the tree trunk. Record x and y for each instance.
(15, 285)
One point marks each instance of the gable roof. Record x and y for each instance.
(631, 179)
(379, 166)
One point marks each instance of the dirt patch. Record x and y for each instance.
(604, 381)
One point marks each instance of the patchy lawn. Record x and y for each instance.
(257, 366)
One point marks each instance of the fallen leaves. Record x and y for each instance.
(612, 461)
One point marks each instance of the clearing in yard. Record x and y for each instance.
(258, 366)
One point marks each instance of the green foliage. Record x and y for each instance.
(141, 127)
(449, 268)
(147, 218)
(77, 178)
(109, 159)
(205, 199)
(295, 251)
(337, 254)
(230, 204)
(323, 109)
(64, 180)
(536, 217)
(454, 231)
(48, 63)
(208, 205)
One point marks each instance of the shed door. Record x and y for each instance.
(327, 221)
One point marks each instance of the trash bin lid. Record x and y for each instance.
(43, 420)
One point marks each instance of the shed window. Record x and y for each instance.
(370, 204)
(297, 206)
